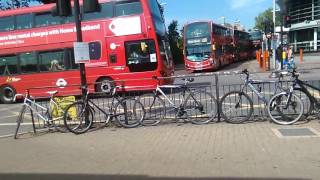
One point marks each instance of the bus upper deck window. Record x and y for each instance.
(125, 8)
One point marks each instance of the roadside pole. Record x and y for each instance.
(274, 46)
(79, 39)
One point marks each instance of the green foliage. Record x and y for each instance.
(13, 4)
(175, 41)
(267, 15)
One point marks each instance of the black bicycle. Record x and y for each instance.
(307, 97)
(128, 112)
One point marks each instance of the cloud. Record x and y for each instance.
(237, 4)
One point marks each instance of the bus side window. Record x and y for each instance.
(71, 59)
(106, 11)
(7, 23)
(141, 56)
(125, 8)
(8, 65)
(28, 62)
(46, 19)
(24, 21)
(51, 61)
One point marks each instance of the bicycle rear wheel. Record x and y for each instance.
(236, 107)
(75, 118)
(129, 112)
(155, 109)
(285, 110)
(19, 121)
(201, 107)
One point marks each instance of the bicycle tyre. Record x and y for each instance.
(248, 109)
(74, 118)
(155, 109)
(284, 119)
(199, 103)
(19, 121)
(129, 112)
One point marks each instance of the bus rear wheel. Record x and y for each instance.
(105, 85)
(7, 94)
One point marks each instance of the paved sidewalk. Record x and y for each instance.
(187, 151)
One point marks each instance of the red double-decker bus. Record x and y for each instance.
(207, 46)
(127, 40)
(243, 45)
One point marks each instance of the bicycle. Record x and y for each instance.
(302, 86)
(53, 115)
(237, 107)
(197, 107)
(128, 112)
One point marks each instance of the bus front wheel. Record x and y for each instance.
(105, 85)
(7, 94)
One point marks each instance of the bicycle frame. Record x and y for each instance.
(249, 83)
(158, 89)
(31, 104)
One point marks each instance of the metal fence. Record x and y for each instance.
(214, 84)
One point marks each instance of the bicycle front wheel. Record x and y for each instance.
(19, 121)
(155, 109)
(285, 108)
(78, 118)
(236, 107)
(129, 112)
(201, 107)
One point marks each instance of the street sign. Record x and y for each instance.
(81, 52)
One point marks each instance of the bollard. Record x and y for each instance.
(265, 58)
(261, 59)
(218, 97)
(301, 55)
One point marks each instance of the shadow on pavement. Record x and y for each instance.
(112, 177)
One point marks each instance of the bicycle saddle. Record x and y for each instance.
(190, 80)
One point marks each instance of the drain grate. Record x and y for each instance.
(296, 132)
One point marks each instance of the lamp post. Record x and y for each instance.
(274, 38)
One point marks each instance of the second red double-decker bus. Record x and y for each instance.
(207, 46)
(127, 41)
(243, 45)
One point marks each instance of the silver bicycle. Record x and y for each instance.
(196, 106)
(237, 106)
(52, 116)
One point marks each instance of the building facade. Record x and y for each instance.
(304, 18)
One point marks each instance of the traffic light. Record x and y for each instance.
(62, 8)
(268, 27)
(286, 21)
(91, 6)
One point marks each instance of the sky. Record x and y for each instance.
(233, 10)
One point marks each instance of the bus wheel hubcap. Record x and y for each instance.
(8, 93)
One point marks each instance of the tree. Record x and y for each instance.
(267, 15)
(13, 4)
(175, 41)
